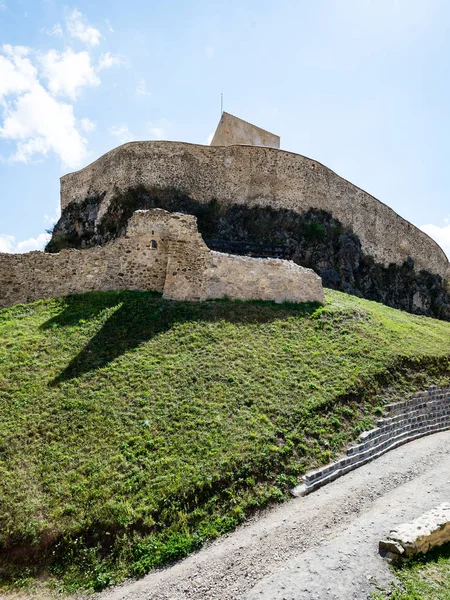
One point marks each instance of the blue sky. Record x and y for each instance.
(362, 86)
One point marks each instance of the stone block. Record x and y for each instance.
(422, 535)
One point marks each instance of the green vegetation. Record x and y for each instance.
(132, 429)
(426, 577)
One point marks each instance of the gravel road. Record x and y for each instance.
(323, 546)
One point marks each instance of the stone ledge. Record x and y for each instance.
(422, 535)
(406, 421)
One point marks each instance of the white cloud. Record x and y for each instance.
(32, 116)
(8, 243)
(440, 234)
(27, 150)
(109, 26)
(30, 244)
(15, 51)
(68, 71)
(209, 51)
(40, 124)
(55, 31)
(87, 125)
(108, 60)
(78, 28)
(121, 132)
(210, 138)
(17, 74)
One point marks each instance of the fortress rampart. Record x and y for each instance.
(161, 252)
(256, 176)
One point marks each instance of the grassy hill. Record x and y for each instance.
(132, 429)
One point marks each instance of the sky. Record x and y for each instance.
(362, 86)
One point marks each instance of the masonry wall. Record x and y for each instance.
(128, 263)
(232, 130)
(261, 278)
(422, 414)
(187, 263)
(161, 252)
(255, 176)
(196, 273)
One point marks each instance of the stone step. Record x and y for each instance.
(425, 413)
(386, 442)
(418, 409)
(380, 432)
(307, 487)
(421, 409)
(386, 426)
(421, 397)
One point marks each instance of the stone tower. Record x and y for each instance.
(231, 131)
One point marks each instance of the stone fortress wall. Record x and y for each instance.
(257, 176)
(161, 252)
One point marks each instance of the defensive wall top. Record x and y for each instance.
(231, 131)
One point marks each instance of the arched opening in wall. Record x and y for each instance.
(154, 244)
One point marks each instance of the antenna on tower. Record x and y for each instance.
(221, 104)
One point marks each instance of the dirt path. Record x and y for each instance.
(323, 546)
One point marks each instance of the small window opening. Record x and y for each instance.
(154, 244)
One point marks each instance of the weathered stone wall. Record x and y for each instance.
(161, 252)
(231, 131)
(187, 263)
(255, 176)
(260, 278)
(196, 273)
(135, 262)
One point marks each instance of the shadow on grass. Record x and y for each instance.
(439, 554)
(139, 316)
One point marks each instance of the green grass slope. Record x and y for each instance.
(132, 429)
